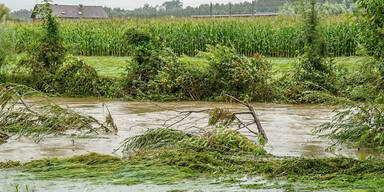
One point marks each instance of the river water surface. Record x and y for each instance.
(288, 128)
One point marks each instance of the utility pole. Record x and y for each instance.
(253, 7)
(211, 9)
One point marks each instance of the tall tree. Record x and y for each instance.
(174, 4)
(314, 71)
(4, 12)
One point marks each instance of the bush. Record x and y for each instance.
(227, 72)
(155, 72)
(237, 75)
(180, 81)
(361, 85)
(372, 30)
(75, 78)
(149, 57)
(135, 37)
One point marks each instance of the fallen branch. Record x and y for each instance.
(23, 102)
(253, 113)
(222, 115)
(109, 121)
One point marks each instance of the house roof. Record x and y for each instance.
(74, 11)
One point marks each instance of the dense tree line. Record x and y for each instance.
(22, 14)
(175, 8)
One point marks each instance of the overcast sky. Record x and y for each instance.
(126, 4)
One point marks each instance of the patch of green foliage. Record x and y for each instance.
(218, 140)
(371, 33)
(75, 78)
(223, 141)
(149, 58)
(361, 123)
(314, 78)
(358, 123)
(48, 68)
(236, 75)
(362, 84)
(47, 53)
(155, 72)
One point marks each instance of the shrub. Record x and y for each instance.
(362, 84)
(149, 58)
(75, 78)
(135, 37)
(237, 75)
(156, 72)
(180, 81)
(372, 29)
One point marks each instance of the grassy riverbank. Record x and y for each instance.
(109, 66)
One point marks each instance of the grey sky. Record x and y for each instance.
(127, 4)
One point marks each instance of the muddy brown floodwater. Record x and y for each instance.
(287, 126)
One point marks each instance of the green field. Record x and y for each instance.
(110, 66)
(276, 36)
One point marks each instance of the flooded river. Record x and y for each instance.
(288, 128)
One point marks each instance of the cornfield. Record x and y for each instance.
(275, 37)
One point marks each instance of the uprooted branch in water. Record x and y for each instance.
(42, 117)
(221, 117)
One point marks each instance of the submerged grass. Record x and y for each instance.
(169, 164)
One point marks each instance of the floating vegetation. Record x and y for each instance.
(171, 166)
(218, 140)
(154, 138)
(40, 119)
